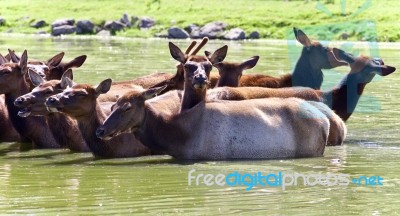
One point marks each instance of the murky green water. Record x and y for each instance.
(56, 182)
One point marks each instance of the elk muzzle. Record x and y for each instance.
(200, 81)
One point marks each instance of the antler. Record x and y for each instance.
(190, 47)
(198, 48)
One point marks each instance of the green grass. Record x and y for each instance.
(271, 18)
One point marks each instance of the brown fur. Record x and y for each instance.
(252, 129)
(13, 84)
(7, 130)
(307, 72)
(344, 97)
(64, 129)
(82, 104)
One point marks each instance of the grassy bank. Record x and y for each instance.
(271, 18)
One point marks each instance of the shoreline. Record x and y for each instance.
(386, 45)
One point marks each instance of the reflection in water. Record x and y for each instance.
(59, 182)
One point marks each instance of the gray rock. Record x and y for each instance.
(39, 24)
(114, 25)
(345, 36)
(63, 30)
(61, 22)
(254, 35)
(10, 31)
(147, 22)
(195, 34)
(213, 30)
(125, 20)
(84, 27)
(235, 34)
(178, 33)
(2, 21)
(104, 33)
(192, 27)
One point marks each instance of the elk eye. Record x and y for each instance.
(207, 67)
(128, 108)
(191, 67)
(80, 94)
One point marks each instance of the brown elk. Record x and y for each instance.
(250, 129)
(64, 129)
(200, 76)
(307, 71)
(342, 99)
(177, 80)
(80, 102)
(13, 83)
(53, 68)
(196, 92)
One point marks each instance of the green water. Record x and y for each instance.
(56, 182)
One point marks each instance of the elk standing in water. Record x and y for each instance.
(51, 69)
(13, 83)
(342, 99)
(64, 129)
(80, 102)
(251, 129)
(307, 71)
(7, 130)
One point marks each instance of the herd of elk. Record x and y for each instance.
(193, 114)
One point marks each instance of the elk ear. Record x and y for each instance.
(219, 55)
(386, 70)
(3, 59)
(152, 92)
(66, 79)
(8, 57)
(344, 56)
(176, 53)
(55, 60)
(301, 37)
(104, 86)
(35, 78)
(76, 62)
(249, 63)
(207, 53)
(23, 63)
(13, 57)
(66, 82)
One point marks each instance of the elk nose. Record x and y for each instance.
(200, 78)
(19, 101)
(51, 100)
(100, 132)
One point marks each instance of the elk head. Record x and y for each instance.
(33, 103)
